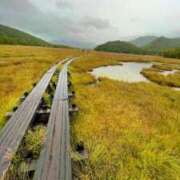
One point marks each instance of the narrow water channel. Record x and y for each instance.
(169, 72)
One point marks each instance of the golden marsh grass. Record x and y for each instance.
(130, 130)
(20, 67)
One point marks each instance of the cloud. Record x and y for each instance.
(17, 7)
(28, 17)
(96, 23)
(86, 23)
(63, 4)
(19, 13)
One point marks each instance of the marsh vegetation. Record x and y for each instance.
(129, 130)
(21, 67)
(126, 128)
(164, 74)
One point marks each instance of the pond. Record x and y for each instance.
(130, 72)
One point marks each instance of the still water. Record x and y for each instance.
(129, 72)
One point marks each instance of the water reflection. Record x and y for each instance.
(129, 72)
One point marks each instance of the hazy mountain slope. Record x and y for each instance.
(163, 43)
(120, 47)
(143, 40)
(10, 35)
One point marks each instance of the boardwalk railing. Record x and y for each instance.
(55, 161)
(16, 127)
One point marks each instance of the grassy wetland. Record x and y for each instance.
(171, 79)
(128, 130)
(21, 67)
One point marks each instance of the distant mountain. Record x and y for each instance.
(10, 35)
(143, 40)
(120, 47)
(163, 43)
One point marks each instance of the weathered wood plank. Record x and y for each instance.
(55, 160)
(14, 130)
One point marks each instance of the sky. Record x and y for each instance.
(87, 23)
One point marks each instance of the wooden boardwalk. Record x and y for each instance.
(16, 127)
(55, 160)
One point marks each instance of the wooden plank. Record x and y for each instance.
(14, 130)
(55, 160)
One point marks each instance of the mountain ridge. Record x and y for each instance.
(143, 40)
(119, 46)
(9, 35)
(157, 46)
(14, 36)
(164, 43)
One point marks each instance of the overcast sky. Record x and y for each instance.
(86, 23)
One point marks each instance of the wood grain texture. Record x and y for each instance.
(16, 127)
(55, 160)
